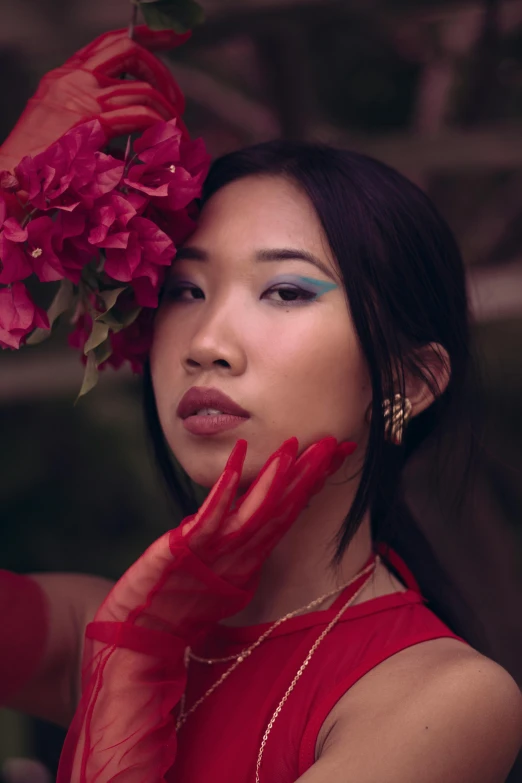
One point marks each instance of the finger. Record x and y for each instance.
(343, 451)
(309, 470)
(309, 460)
(133, 94)
(300, 485)
(127, 57)
(121, 122)
(159, 40)
(99, 44)
(267, 487)
(220, 498)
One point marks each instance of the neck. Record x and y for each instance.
(299, 569)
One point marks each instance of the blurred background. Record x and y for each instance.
(432, 87)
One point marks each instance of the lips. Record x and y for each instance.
(201, 397)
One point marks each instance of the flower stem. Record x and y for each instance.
(133, 20)
(28, 217)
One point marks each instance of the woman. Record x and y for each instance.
(317, 286)
(320, 301)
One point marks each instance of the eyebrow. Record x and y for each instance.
(276, 254)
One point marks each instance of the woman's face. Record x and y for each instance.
(255, 307)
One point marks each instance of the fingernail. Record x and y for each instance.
(287, 453)
(290, 447)
(346, 448)
(321, 462)
(342, 451)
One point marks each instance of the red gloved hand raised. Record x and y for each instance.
(89, 86)
(188, 580)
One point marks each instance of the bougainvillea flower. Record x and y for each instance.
(49, 174)
(71, 243)
(70, 171)
(147, 290)
(41, 240)
(139, 252)
(133, 343)
(130, 344)
(18, 316)
(105, 177)
(159, 143)
(172, 170)
(100, 221)
(178, 225)
(14, 263)
(109, 216)
(8, 183)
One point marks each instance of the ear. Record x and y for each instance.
(435, 365)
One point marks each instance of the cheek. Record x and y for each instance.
(164, 359)
(321, 379)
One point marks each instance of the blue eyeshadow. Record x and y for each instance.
(320, 286)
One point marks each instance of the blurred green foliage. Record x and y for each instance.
(77, 487)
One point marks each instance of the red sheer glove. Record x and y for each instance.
(189, 579)
(88, 87)
(24, 625)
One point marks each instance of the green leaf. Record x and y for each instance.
(90, 376)
(102, 352)
(117, 320)
(95, 357)
(62, 301)
(90, 275)
(98, 335)
(38, 336)
(129, 316)
(178, 15)
(110, 297)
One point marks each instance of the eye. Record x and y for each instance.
(290, 295)
(182, 292)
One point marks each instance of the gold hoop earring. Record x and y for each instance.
(396, 415)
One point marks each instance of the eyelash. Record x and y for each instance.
(303, 297)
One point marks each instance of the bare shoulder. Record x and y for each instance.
(436, 711)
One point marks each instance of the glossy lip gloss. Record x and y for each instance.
(198, 399)
(212, 425)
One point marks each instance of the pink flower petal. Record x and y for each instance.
(18, 316)
(13, 231)
(14, 264)
(40, 245)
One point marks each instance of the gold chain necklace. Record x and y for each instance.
(240, 657)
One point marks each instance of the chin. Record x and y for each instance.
(205, 470)
(204, 478)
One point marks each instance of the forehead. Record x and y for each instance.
(260, 212)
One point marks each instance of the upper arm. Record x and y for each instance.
(463, 726)
(72, 601)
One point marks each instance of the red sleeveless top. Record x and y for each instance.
(220, 741)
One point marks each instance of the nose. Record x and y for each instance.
(216, 342)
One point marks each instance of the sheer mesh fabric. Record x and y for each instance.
(88, 86)
(207, 569)
(134, 672)
(24, 626)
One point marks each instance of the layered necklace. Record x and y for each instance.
(244, 654)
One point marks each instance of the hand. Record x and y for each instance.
(89, 86)
(193, 576)
(208, 568)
